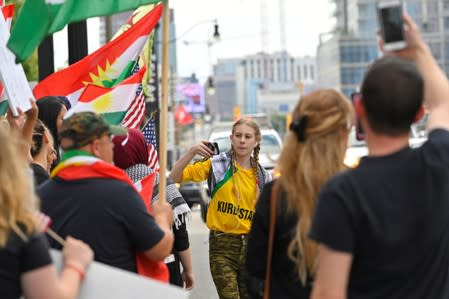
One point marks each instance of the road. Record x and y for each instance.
(198, 234)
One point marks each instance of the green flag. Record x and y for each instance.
(4, 105)
(39, 18)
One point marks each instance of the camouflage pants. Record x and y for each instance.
(227, 255)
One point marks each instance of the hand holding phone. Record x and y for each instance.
(359, 133)
(389, 13)
(213, 146)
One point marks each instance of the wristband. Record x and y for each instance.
(77, 269)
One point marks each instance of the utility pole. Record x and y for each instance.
(45, 58)
(77, 36)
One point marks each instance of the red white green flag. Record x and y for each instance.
(8, 13)
(105, 67)
(112, 103)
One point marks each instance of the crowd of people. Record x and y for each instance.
(318, 230)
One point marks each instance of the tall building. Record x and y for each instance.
(343, 59)
(117, 21)
(260, 83)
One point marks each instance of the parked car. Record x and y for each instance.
(196, 193)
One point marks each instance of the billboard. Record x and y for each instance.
(191, 95)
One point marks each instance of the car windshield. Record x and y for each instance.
(269, 144)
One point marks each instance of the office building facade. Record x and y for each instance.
(343, 59)
(261, 83)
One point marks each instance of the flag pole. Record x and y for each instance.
(163, 119)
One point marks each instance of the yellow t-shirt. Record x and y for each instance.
(227, 212)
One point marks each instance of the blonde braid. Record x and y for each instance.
(255, 167)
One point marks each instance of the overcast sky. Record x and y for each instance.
(240, 28)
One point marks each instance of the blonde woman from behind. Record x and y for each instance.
(313, 151)
(25, 262)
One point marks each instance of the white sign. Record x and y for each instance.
(103, 281)
(12, 75)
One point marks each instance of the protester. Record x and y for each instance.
(51, 112)
(89, 198)
(42, 152)
(313, 150)
(23, 124)
(131, 154)
(26, 266)
(383, 227)
(236, 179)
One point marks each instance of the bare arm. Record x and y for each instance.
(187, 274)
(332, 277)
(200, 149)
(163, 215)
(28, 127)
(436, 84)
(44, 283)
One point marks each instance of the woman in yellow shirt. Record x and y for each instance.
(235, 180)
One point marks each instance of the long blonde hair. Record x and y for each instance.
(18, 204)
(313, 151)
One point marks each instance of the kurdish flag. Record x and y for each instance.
(112, 103)
(105, 67)
(8, 13)
(39, 18)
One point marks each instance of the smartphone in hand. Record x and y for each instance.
(213, 146)
(389, 14)
(359, 133)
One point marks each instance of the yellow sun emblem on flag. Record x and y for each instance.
(103, 104)
(103, 75)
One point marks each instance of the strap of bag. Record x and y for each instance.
(271, 228)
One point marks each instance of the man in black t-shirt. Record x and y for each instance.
(94, 201)
(383, 227)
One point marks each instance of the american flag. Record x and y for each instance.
(136, 112)
(149, 132)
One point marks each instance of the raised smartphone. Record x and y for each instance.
(359, 133)
(389, 14)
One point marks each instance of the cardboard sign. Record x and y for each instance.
(12, 75)
(103, 281)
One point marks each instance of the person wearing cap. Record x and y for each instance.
(89, 198)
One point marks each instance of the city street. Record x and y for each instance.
(198, 233)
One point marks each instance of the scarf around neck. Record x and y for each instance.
(77, 164)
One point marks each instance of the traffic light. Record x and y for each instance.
(210, 85)
(210, 82)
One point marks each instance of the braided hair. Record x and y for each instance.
(38, 137)
(254, 160)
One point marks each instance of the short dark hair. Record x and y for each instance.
(392, 93)
(83, 128)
